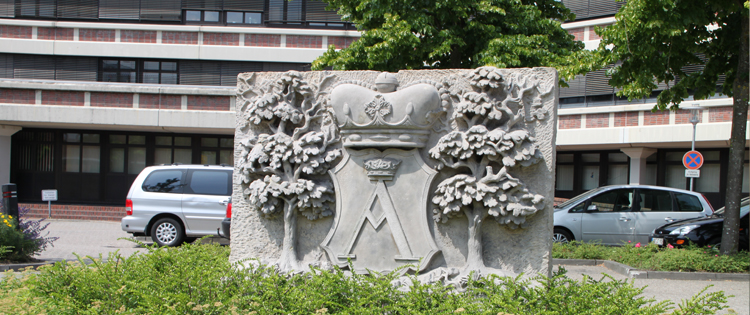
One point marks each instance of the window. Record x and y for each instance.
(173, 150)
(687, 202)
(127, 154)
(210, 182)
(138, 71)
(655, 200)
(620, 200)
(81, 153)
(221, 148)
(160, 72)
(244, 18)
(113, 70)
(168, 181)
(196, 16)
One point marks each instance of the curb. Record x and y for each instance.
(634, 273)
(21, 267)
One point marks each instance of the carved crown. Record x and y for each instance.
(381, 168)
(370, 118)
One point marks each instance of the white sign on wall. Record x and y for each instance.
(49, 195)
(692, 173)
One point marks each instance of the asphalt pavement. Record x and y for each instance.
(91, 238)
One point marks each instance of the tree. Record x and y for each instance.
(488, 133)
(442, 34)
(655, 40)
(289, 157)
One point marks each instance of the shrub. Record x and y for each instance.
(20, 241)
(198, 279)
(651, 257)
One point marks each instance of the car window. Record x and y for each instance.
(578, 208)
(207, 182)
(168, 181)
(688, 203)
(655, 200)
(619, 200)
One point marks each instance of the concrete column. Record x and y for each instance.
(638, 158)
(5, 133)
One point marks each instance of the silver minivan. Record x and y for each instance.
(177, 203)
(618, 214)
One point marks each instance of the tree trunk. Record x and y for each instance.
(730, 234)
(474, 257)
(288, 260)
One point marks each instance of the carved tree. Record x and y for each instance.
(488, 134)
(284, 166)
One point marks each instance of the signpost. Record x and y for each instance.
(49, 195)
(693, 160)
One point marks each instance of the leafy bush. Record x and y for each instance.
(20, 241)
(651, 257)
(198, 279)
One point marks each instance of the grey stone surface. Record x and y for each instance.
(450, 168)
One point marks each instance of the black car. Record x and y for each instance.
(701, 231)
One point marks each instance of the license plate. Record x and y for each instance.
(658, 241)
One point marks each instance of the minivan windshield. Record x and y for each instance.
(744, 208)
(578, 198)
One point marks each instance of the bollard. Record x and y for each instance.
(10, 201)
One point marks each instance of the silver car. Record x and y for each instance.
(618, 214)
(175, 203)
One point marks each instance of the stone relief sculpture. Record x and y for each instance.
(347, 150)
(488, 138)
(298, 145)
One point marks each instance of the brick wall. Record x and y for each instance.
(50, 97)
(340, 42)
(223, 39)
(658, 118)
(626, 119)
(17, 96)
(260, 40)
(54, 33)
(683, 116)
(9, 31)
(597, 120)
(577, 32)
(570, 122)
(203, 102)
(179, 38)
(160, 101)
(75, 212)
(111, 99)
(720, 114)
(138, 36)
(304, 41)
(95, 35)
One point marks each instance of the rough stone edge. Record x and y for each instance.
(631, 272)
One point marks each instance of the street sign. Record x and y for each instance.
(49, 195)
(692, 160)
(693, 173)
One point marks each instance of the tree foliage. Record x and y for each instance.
(693, 47)
(412, 34)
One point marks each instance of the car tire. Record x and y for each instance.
(561, 236)
(167, 232)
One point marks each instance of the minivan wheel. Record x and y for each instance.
(561, 236)
(167, 232)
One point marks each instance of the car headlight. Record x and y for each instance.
(683, 230)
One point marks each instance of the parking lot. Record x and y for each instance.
(91, 238)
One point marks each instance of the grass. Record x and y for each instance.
(651, 257)
(198, 279)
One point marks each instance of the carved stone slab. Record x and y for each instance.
(451, 167)
(379, 222)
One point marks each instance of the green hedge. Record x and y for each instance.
(651, 257)
(198, 279)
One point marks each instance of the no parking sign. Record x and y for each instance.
(692, 160)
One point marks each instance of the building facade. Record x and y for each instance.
(92, 91)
